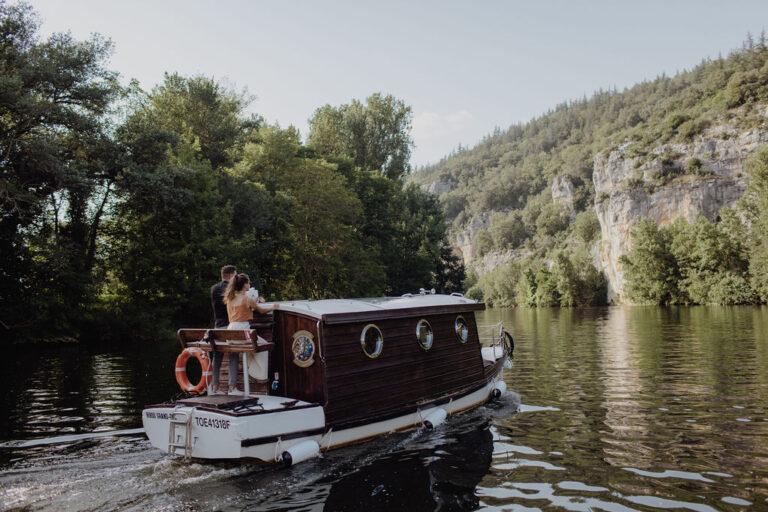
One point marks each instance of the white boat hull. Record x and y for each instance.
(204, 433)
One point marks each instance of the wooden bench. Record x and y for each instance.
(228, 341)
(223, 340)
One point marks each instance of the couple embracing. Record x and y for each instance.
(233, 304)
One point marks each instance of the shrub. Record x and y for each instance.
(508, 230)
(483, 243)
(551, 220)
(688, 130)
(667, 172)
(587, 226)
(475, 292)
(672, 123)
(693, 166)
(730, 289)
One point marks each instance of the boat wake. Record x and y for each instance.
(31, 443)
(120, 470)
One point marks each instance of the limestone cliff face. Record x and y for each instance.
(440, 187)
(563, 191)
(629, 189)
(464, 244)
(465, 240)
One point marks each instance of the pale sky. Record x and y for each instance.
(463, 67)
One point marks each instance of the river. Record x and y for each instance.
(612, 409)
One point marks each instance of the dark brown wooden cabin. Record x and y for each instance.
(355, 388)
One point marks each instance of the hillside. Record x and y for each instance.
(556, 186)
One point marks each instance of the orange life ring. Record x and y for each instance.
(181, 369)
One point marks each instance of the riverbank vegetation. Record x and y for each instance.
(704, 262)
(118, 206)
(510, 174)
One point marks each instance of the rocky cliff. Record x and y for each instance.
(633, 182)
(465, 241)
(672, 181)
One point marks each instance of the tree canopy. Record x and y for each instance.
(376, 135)
(121, 222)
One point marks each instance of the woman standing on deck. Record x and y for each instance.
(240, 311)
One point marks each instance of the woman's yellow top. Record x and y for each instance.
(240, 309)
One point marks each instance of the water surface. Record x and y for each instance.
(620, 409)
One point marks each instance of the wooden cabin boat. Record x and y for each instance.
(340, 372)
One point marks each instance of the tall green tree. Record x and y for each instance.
(58, 166)
(712, 262)
(323, 253)
(755, 205)
(376, 135)
(180, 213)
(402, 224)
(650, 269)
(419, 255)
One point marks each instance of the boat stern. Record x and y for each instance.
(219, 427)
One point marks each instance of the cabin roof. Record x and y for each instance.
(342, 307)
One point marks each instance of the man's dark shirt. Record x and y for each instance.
(220, 317)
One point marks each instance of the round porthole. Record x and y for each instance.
(372, 341)
(462, 329)
(424, 334)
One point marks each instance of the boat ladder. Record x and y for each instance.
(178, 440)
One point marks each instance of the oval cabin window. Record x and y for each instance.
(462, 329)
(424, 334)
(372, 341)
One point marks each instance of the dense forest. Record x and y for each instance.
(510, 173)
(118, 206)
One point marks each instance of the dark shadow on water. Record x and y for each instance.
(439, 477)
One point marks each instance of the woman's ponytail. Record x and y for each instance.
(236, 284)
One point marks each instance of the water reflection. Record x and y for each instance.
(623, 409)
(440, 474)
(57, 391)
(655, 405)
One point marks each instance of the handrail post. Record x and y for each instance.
(246, 383)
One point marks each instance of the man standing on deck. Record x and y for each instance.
(220, 318)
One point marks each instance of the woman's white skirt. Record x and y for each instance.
(258, 362)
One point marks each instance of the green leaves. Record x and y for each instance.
(688, 263)
(127, 226)
(58, 166)
(375, 135)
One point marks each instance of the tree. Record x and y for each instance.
(376, 135)
(58, 167)
(180, 214)
(507, 230)
(323, 254)
(754, 204)
(650, 269)
(587, 226)
(567, 281)
(711, 262)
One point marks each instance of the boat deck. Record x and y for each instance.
(256, 339)
(243, 406)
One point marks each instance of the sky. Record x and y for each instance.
(463, 67)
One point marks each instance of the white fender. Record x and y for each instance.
(499, 387)
(300, 452)
(435, 418)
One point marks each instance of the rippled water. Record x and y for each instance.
(621, 409)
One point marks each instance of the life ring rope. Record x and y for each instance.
(181, 370)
